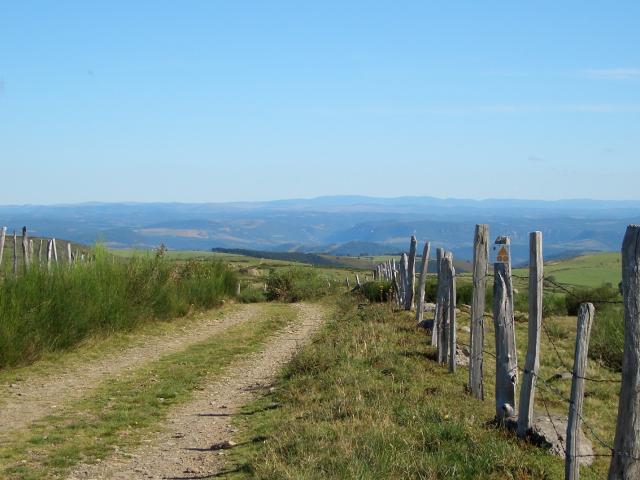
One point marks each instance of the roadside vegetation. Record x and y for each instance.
(124, 410)
(42, 311)
(368, 400)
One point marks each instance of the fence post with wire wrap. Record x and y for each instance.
(451, 304)
(624, 464)
(532, 361)
(480, 273)
(503, 321)
(423, 282)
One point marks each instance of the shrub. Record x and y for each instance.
(252, 295)
(553, 304)
(464, 293)
(377, 291)
(295, 284)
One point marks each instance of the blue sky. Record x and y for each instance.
(239, 100)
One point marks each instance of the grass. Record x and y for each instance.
(367, 400)
(124, 410)
(590, 270)
(43, 311)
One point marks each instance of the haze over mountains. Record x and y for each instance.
(348, 225)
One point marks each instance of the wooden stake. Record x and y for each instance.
(445, 312)
(532, 362)
(423, 281)
(585, 320)
(411, 275)
(451, 301)
(436, 318)
(25, 248)
(55, 251)
(506, 360)
(15, 253)
(49, 253)
(3, 237)
(626, 445)
(480, 274)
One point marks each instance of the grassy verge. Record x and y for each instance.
(43, 311)
(367, 400)
(123, 410)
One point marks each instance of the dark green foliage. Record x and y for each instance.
(464, 293)
(607, 337)
(295, 284)
(553, 304)
(44, 311)
(602, 294)
(377, 291)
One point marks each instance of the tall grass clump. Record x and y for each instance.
(295, 284)
(42, 311)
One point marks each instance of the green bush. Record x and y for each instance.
(47, 311)
(295, 284)
(607, 337)
(553, 304)
(377, 291)
(464, 293)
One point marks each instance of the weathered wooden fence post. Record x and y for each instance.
(411, 275)
(69, 256)
(506, 360)
(358, 280)
(480, 273)
(443, 320)
(572, 462)
(423, 281)
(451, 274)
(532, 362)
(436, 318)
(55, 250)
(49, 253)
(627, 440)
(15, 253)
(40, 252)
(25, 248)
(3, 237)
(404, 280)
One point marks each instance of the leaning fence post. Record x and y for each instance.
(3, 237)
(532, 362)
(404, 282)
(480, 273)
(411, 275)
(423, 281)
(436, 318)
(451, 292)
(585, 320)
(627, 440)
(506, 360)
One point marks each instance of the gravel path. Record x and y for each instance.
(183, 449)
(37, 397)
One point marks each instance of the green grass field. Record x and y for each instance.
(590, 270)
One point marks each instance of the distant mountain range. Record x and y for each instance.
(339, 225)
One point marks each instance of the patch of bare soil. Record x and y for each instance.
(40, 395)
(197, 435)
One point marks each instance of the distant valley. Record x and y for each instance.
(347, 225)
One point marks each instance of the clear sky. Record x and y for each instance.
(239, 100)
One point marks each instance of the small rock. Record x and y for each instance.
(464, 328)
(223, 445)
(561, 376)
(550, 431)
